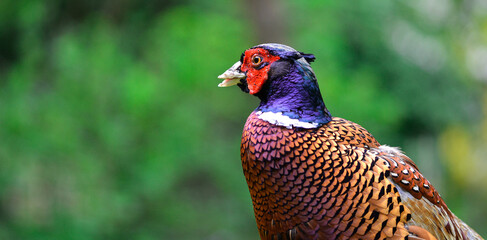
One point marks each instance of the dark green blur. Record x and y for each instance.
(112, 125)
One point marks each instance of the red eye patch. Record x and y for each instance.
(256, 76)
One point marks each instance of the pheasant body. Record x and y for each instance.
(313, 176)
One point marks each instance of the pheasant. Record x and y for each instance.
(314, 176)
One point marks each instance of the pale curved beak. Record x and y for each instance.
(231, 76)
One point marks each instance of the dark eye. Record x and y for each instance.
(256, 60)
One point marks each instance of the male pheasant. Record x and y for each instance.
(314, 176)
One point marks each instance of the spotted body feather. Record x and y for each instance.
(334, 181)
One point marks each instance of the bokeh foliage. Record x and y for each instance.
(112, 127)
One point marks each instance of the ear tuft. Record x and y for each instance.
(309, 57)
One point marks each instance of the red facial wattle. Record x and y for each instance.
(256, 74)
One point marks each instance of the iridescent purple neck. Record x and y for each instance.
(293, 91)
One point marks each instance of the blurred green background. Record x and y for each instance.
(112, 125)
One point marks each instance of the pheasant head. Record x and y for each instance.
(283, 80)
